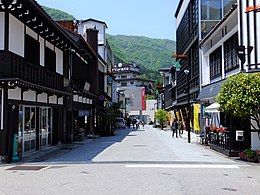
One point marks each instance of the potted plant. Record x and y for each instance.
(250, 154)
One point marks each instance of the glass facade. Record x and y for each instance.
(30, 129)
(211, 12)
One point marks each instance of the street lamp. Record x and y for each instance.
(187, 89)
(187, 72)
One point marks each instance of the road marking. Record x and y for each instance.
(182, 166)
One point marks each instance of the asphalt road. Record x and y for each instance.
(144, 161)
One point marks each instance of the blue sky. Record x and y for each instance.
(150, 18)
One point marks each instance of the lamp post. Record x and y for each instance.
(187, 72)
(187, 89)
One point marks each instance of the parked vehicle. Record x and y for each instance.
(120, 123)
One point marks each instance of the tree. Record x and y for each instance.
(112, 112)
(161, 116)
(240, 96)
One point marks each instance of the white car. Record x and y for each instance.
(120, 123)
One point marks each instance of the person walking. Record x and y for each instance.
(180, 128)
(174, 128)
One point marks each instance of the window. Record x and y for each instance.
(215, 63)
(211, 9)
(123, 76)
(50, 59)
(132, 83)
(32, 50)
(123, 84)
(230, 55)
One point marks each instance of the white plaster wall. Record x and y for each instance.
(255, 141)
(43, 98)
(49, 45)
(53, 99)
(31, 33)
(42, 51)
(59, 61)
(60, 101)
(75, 98)
(181, 12)
(14, 94)
(80, 99)
(2, 30)
(29, 96)
(16, 36)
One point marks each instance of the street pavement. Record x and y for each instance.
(143, 161)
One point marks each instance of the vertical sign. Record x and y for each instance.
(196, 117)
(143, 98)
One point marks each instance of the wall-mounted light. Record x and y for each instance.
(34, 19)
(27, 12)
(19, 6)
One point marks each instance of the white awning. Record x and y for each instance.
(212, 107)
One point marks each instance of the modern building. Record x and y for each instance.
(194, 20)
(219, 61)
(208, 35)
(128, 75)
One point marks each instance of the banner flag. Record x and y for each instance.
(196, 117)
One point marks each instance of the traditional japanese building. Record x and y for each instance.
(36, 71)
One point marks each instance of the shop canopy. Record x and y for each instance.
(212, 108)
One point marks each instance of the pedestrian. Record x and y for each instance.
(180, 128)
(174, 128)
(134, 122)
(128, 122)
(143, 124)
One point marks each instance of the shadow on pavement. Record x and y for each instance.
(79, 152)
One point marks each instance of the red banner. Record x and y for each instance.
(143, 98)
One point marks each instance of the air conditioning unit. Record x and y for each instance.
(239, 135)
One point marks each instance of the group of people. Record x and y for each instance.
(135, 122)
(177, 128)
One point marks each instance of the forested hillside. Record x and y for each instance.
(148, 52)
(57, 14)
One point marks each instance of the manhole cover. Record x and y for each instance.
(26, 168)
(230, 189)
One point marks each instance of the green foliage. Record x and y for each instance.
(240, 96)
(150, 53)
(56, 14)
(161, 116)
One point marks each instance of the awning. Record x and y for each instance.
(210, 91)
(212, 107)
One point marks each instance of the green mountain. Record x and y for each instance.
(148, 52)
(57, 14)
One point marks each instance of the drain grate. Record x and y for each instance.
(26, 168)
(230, 189)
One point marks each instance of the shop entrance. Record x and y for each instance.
(34, 128)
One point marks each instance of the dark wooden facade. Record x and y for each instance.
(44, 75)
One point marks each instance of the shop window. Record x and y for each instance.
(29, 134)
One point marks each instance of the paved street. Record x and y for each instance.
(144, 161)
